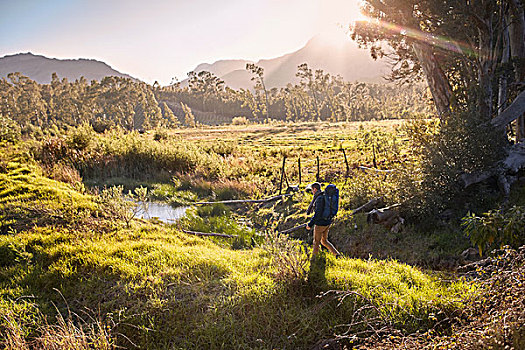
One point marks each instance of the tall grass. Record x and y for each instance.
(167, 289)
(170, 289)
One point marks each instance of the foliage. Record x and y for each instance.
(81, 137)
(240, 121)
(112, 101)
(197, 294)
(66, 333)
(496, 228)
(9, 130)
(165, 288)
(458, 145)
(289, 258)
(218, 218)
(189, 118)
(125, 207)
(27, 198)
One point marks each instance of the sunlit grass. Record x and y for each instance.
(194, 289)
(161, 288)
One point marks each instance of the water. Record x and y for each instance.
(162, 211)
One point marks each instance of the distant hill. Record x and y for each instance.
(336, 55)
(40, 68)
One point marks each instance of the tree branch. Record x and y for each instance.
(512, 112)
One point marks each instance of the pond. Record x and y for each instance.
(162, 211)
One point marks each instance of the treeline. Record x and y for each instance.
(317, 96)
(110, 102)
(133, 105)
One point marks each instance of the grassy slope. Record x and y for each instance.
(160, 288)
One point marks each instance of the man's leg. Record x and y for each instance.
(326, 242)
(317, 239)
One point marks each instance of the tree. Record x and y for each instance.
(308, 81)
(168, 116)
(189, 118)
(458, 45)
(259, 78)
(462, 49)
(208, 87)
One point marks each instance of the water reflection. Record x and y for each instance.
(162, 211)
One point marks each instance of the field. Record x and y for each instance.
(76, 268)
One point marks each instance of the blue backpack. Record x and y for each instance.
(331, 202)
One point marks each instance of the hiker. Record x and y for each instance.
(320, 224)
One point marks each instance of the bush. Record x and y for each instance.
(122, 206)
(496, 228)
(289, 258)
(63, 173)
(240, 121)
(10, 132)
(160, 134)
(462, 144)
(80, 138)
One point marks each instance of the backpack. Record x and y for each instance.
(331, 202)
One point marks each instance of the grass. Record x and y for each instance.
(169, 289)
(150, 285)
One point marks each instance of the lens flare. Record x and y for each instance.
(431, 39)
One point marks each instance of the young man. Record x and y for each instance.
(319, 224)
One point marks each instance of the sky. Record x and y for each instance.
(157, 40)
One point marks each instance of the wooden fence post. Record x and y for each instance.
(282, 176)
(299, 163)
(346, 163)
(318, 171)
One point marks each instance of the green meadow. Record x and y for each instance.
(76, 271)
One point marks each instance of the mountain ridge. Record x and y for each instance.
(40, 68)
(339, 56)
(334, 54)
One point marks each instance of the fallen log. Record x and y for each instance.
(503, 171)
(512, 112)
(371, 204)
(292, 229)
(240, 201)
(365, 168)
(387, 217)
(211, 234)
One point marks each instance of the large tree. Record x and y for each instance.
(472, 56)
(457, 45)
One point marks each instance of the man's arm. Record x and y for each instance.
(317, 213)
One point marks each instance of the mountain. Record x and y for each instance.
(40, 68)
(335, 54)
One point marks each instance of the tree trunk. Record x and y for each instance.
(502, 93)
(485, 72)
(517, 47)
(436, 79)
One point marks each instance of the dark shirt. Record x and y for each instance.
(317, 219)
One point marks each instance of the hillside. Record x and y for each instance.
(40, 68)
(336, 55)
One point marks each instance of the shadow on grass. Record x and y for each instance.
(316, 276)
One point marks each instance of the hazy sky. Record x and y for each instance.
(160, 39)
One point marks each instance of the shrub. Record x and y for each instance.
(289, 258)
(63, 173)
(53, 150)
(240, 121)
(496, 228)
(122, 206)
(461, 144)
(160, 134)
(10, 131)
(80, 138)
